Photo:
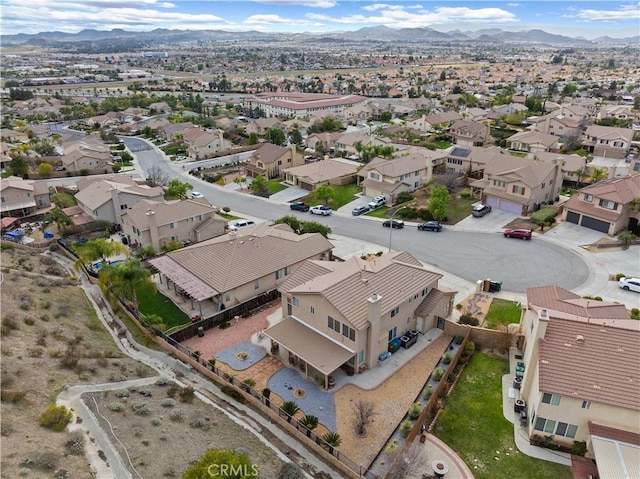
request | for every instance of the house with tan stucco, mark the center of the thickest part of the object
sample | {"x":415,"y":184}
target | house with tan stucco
{"x":346,"y":314}
{"x":581,"y":379}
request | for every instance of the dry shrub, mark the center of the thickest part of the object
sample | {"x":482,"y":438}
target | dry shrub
{"x":55,"y":418}
{"x":74,"y":444}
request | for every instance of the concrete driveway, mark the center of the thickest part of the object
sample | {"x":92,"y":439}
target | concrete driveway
{"x":492,"y":222}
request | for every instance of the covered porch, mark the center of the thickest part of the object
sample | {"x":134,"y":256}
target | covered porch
{"x":312,"y":352}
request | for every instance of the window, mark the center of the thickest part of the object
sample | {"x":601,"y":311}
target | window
{"x":287,"y":270}
{"x":4,"y":199}
{"x":279,"y":274}
{"x":256,"y":284}
{"x":175,"y":238}
{"x":553,"y":399}
{"x":518,"y":189}
{"x":173,"y":225}
{"x":588,"y":197}
{"x":227,"y":297}
{"x":395,"y":311}
{"x":618,"y":144}
{"x":543,"y":185}
{"x":586,"y":404}
{"x":312,"y":310}
{"x":566,"y":430}
{"x":393,"y":333}
{"x":348,"y":332}
{"x":361,"y":356}
{"x":295,"y":301}
{"x":374,"y":176}
{"x":545,"y":425}
{"x":608,"y":204}
{"x":333,"y":324}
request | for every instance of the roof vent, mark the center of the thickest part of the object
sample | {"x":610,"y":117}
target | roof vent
{"x":374,"y":296}
{"x":580,"y":338}
{"x":543,"y":314}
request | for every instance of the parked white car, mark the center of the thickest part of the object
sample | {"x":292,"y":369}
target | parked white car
{"x":377,"y":202}
{"x":630,"y":284}
{"x":196,"y":194}
{"x":240,"y":224}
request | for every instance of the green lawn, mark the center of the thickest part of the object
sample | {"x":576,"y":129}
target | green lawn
{"x":342,"y":196}
{"x":62,"y":199}
{"x":502,"y":311}
{"x":473,"y":425}
{"x":459,"y":209}
{"x":154,"y":302}
{"x":274,"y":186}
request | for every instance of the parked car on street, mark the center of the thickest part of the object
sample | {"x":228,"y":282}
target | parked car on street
{"x":430,"y":226}
{"x":630,"y":284}
{"x":377,"y":202}
{"x":360,"y":210}
{"x":520,"y":233}
{"x":480,"y":210}
{"x":240,"y":224}
{"x":299,"y":206}
{"x":196,"y":194}
{"x":396,"y":224}
{"x":320,"y":210}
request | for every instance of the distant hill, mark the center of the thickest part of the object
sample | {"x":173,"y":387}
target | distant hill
{"x":119,"y":38}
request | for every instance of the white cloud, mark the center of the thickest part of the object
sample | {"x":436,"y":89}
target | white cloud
{"x":513,"y":4}
{"x":381,"y":6}
{"x":304,"y":3}
{"x":626,"y":12}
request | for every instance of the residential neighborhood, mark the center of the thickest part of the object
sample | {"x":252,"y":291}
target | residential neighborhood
{"x":326,"y":250}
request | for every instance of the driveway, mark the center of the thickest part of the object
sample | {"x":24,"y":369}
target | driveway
{"x":495,"y":221}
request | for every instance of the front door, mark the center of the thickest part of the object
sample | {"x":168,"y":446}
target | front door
{"x":440,"y":323}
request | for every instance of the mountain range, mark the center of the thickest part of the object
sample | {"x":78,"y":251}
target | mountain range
{"x":118,"y":38}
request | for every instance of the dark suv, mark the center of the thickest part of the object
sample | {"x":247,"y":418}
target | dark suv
{"x":480,"y":210}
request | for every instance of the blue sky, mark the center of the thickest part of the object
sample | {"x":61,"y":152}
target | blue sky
{"x":589,"y":19}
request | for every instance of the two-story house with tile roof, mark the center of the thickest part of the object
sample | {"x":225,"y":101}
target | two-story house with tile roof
{"x":606,"y":205}
{"x":230,"y":269}
{"x":80,"y":156}
{"x":22,"y":197}
{"x":581,"y":379}
{"x":107,"y":199}
{"x":469,"y":133}
{"x":150,"y":223}
{"x":270,"y":160}
{"x":519,"y":185}
{"x":408,"y":171}
{"x":532,"y":142}
{"x":345,"y":314}
{"x":608,"y":141}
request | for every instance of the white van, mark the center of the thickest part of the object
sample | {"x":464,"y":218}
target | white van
{"x":240,"y":224}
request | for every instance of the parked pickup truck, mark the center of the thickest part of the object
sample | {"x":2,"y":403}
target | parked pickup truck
{"x":299,"y":206}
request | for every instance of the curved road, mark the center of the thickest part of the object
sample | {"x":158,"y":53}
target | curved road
{"x":468,"y":255}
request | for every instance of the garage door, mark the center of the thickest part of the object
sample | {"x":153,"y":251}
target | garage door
{"x":595,"y":224}
{"x":510,"y":207}
{"x":492,"y":201}
{"x":573,"y":217}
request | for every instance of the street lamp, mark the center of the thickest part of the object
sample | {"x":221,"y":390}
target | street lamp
{"x":391,"y":224}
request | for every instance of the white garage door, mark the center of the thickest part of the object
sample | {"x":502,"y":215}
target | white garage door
{"x":492,"y":201}
{"x":510,"y":207}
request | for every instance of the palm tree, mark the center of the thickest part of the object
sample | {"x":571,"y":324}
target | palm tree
{"x":99,"y":249}
{"x":598,"y":174}
{"x":332,"y":439}
{"x":309,"y":422}
{"x":123,"y":280}
{"x":290,"y":408}
{"x":56,"y":216}
{"x":627,"y":238}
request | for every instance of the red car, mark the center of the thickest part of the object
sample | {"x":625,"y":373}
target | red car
{"x":518,"y":233}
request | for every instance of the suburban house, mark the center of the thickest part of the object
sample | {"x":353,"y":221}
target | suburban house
{"x":476,"y":114}
{"x":570,"y":163}
{"x":581,"y":379}
{"x":328,"y":140}
{"x":80,"y":156}
{"x":608,"y":141}
{"x":556,"y":125}
{"x":469,"y":133}
{"x":270,"y":160}
{"x":349,"y":143}
{"x":519,"y":185}
{"x":171,"y":131}
{"x":324,"y":172}
{"x":510,"y":109}
{"x":406,"y":172}
{"x":13,"y":136}
{"x":345,"y":314}
{"x":107,"y":199}
{"x":470,"y":160}
{"x":260,"y":126}
{"x":205,"y":144}
{"x":230,"y":269}
{"x":22,"y":197}
{"x":620,"y":112}
{"x":606,"y":205}
{"x":532,"y":142}
{"x":149,"y":223}
{"x":434,"y":122}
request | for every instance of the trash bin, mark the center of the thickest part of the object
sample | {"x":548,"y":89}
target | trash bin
{"x":200,"y":331}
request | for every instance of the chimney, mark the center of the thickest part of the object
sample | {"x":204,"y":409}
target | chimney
{"x":374,"y":307}
{"x":153,"y":229}
{"x":115,"y":201}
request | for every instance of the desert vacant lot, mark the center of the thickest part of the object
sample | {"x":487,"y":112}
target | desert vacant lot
{"x":52,"y":338}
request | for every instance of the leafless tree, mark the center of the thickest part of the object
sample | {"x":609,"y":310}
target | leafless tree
{"x":363,"y":415}
{"x":156,"y":176}
{"x":411,"y":462}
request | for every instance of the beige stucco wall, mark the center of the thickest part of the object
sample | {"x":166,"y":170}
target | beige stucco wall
{"x":16,"y":197}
